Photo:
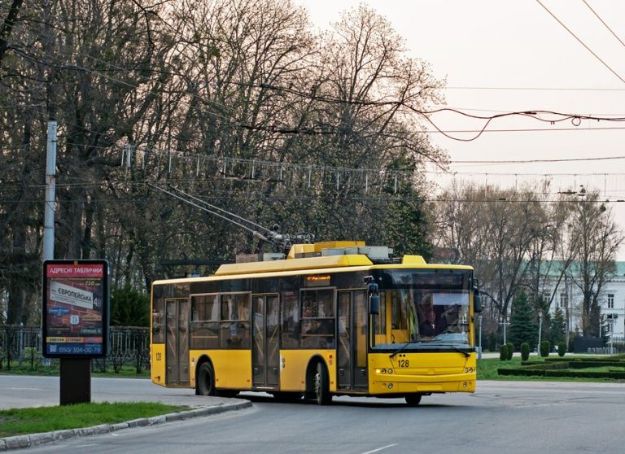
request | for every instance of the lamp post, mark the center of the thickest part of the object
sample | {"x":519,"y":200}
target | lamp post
{"x":479,"y":353}
{"x":611,"y":324}
{"x":540,"y":328}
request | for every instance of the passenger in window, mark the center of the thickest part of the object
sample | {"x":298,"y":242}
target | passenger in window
{"x":431,"y":324}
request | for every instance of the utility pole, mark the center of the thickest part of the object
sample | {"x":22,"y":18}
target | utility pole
{"x":50,"y":205}
{"x":48,"y":223}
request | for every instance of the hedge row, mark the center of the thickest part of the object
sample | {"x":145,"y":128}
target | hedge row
{"x":526,"y":372}
{"x":545,"y":366}
{"x":585,"y":364}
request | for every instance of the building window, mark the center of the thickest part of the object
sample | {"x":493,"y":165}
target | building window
{"x":610,"y":301}
{"x":564,"y":300}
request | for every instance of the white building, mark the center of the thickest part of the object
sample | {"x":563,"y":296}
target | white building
{"x":568,"y":298}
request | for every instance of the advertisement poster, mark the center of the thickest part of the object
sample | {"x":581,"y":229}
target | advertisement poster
{"x":75,"y":308}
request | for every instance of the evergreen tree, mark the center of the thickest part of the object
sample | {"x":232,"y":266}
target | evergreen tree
{"x":557,"y":328}
{"x":522,"y":325}
{"x":129,"y":307}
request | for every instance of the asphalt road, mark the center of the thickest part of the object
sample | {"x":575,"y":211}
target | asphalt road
{"x":501,"y":417}
{"x":30,"y":391}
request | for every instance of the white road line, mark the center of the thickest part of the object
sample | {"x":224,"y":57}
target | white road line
{"x":380,"y":449}
{"x":25,"y":389}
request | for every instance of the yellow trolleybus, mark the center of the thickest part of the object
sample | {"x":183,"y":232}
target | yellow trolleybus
{"x":333,"y":318}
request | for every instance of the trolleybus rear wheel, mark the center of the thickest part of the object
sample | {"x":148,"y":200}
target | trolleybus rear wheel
{"x":205,"y":381}
{"x":322,"y":390}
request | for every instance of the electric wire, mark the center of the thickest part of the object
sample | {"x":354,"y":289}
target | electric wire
{"x":604,"y":23}
{"x":580,"y":41}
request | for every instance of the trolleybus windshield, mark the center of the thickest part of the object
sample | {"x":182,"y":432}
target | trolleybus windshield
{"x":429,"y":309}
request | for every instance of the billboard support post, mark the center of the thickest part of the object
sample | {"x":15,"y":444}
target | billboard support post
{"x":75,"y":381}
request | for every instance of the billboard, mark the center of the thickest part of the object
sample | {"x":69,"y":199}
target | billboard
{"x":75,"y":308}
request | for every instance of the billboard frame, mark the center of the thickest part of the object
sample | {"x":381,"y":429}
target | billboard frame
{"x":47,"y":303}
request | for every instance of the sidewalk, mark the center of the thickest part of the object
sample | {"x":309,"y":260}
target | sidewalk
{"x":28,"y":441}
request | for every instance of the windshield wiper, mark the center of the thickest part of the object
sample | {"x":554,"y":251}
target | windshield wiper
{"x":399,"y":350}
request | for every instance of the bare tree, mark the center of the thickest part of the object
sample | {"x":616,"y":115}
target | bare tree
{"x":597,"y":238}
{"x":7,"y":26}
{"x":504,"y":233}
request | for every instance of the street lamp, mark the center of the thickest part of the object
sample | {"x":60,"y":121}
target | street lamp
{"x":540,"y":328}
{"x":479,"y":353}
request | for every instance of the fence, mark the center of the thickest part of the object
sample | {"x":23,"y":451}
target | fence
{"x":128,"y":346}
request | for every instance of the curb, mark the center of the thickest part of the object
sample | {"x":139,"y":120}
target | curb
{"x":31,"y":440}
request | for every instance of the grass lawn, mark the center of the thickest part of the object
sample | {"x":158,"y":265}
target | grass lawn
{"x":26,"y":369}
{"x":487,"y":370}
{"x":22,"y":421}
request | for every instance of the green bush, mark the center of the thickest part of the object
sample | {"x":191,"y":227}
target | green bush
{"x":561,"y":349}
{"x":510,"y":350}
{"x":525,"y":351}
{"x":544,"y":348}
{"x":503,"y":352}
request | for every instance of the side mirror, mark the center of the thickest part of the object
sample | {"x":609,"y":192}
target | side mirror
{"x":373,"y":290}
{"x":374,"y":304}
{"x":477,"y":301}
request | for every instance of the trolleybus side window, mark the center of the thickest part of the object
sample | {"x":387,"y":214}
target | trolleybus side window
{"x":235,"y":320}
{"x":205,"y":321}
{"x":290,"y":320}
{"x":318,"y":318}
{"x":158,"y":317}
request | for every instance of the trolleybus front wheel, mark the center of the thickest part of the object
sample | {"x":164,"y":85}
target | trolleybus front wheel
{"x":205,"y":380}
{"x":413,"y":399}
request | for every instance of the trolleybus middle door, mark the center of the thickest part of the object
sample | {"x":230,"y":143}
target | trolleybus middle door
{"x":265,"y":346}
{"x":352,"y":341}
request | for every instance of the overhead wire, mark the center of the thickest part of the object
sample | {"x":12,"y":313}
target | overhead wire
{"x":468,"y":87}
{"x":579,"y":40}
{"x":604,"y":22}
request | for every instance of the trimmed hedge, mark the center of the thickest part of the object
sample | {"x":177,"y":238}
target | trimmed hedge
{"x":510,"y":350}
{"x":589,"y":363}
{"x":570,"y":367}
{"x":525,"y":351}
{"x":544,"y":348}
{"x":526,"y":372}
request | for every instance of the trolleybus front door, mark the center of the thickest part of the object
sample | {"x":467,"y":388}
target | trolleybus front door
{"x":177,"y":339}
{"x":352,"y":341}
{"x":265,"y":346}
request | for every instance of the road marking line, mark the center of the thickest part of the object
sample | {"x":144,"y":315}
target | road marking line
{"x":24,"y":389}
{"x":380,"y":449}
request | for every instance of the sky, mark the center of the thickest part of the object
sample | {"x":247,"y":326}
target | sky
{"x":513,"y":55}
